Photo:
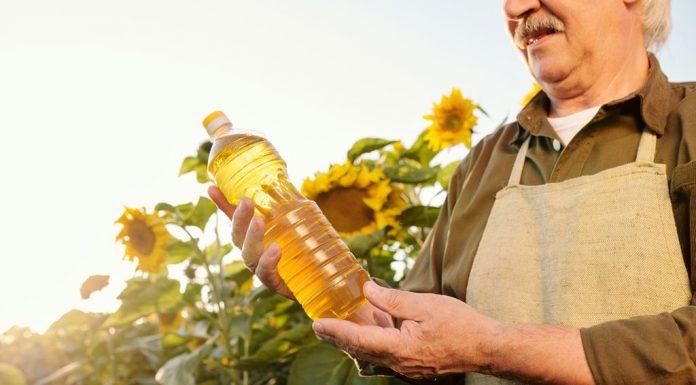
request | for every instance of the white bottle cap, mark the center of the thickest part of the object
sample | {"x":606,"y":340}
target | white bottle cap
{"x":214,"y":121}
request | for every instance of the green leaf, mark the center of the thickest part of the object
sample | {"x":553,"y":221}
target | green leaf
{"x":273,"y":304}
{"x":238,"y":272}
{"x":178,"y":252}
{"x":420,"y":151}
{"x":409,"y":174}
{"x":202,"y":174}
{"x":198,"y":163}
{"x":240,"y":326}
{"x":366,"y":145}
{"x":421,"y":216}
{"x":173,"y":340}
{"x":192,"y":293}
{"x":201,"y":213}
{"x":323,"y":364}
{"x":189,"y":164}
{"x":445,"y":173}
{"x":181,"y":369}
{"x":281,"y":347}
{"x":142,"y":297}
{"x":163,"y":206}
{"x":215,"y":251}
{"x":184,"y":210}
{"x":204,"y":151}
{"x":361,"y":245}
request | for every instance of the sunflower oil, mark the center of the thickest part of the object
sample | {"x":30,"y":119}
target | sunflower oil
{"x":315,"y":264}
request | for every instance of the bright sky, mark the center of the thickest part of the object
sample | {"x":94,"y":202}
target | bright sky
{"x":100,"y":101}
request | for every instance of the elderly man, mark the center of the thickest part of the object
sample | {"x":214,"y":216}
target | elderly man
{"x":563,"y":252}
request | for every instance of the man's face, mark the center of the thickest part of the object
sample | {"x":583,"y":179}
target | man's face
{"x":559,"y":37}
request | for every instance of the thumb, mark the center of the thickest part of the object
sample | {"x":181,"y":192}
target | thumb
{"x":398,"y":303}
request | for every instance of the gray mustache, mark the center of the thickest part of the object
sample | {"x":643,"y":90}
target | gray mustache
{"x":535,"y":23}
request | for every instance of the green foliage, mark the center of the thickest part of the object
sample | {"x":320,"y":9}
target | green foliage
{"x":366,"y":145}
{"x":408,"y":173}
{"x":445,"y":174}
{"x":144,"y":296}
{"x":198,"y":164}
{"x":420,"y":216}
{"x":181,"y":370}
{"x":420,"y":151}
{"x":324,"y":364}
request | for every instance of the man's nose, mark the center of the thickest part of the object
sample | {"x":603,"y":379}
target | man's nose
{"x":516,"y":9}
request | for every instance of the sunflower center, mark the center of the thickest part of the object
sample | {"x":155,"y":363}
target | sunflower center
{"x":141,"y":236}
{"x":345,"y":209}
{"x":453,"y":122}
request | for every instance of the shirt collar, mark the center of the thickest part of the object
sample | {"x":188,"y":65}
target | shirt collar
{"x":654,"y":98}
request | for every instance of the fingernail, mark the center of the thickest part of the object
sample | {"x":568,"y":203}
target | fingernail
{"x":318,"y":328}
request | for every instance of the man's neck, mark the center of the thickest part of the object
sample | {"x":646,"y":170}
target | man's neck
{"x":618,"y":82}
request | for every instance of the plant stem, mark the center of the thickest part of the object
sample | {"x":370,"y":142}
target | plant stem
{"x":224,"y":322}
{"x":114,"y":365}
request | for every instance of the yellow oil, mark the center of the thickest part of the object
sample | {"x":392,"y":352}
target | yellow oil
{"x":315,"y":263}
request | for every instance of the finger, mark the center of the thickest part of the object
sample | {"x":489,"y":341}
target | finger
{"x":252,"y":247}
{"x":240,"y":221}
{"x":398,"y":303}
{"x":267,"y":271}
{"x":220,"y":201}
{"x":359,"y":340}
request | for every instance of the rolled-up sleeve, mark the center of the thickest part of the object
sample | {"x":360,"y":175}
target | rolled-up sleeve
{"x":659,"y":349}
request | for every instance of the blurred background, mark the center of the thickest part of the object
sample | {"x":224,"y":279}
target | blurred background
{"x":100,"y":101}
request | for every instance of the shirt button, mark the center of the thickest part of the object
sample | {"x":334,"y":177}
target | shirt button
{"x":556,"y":145}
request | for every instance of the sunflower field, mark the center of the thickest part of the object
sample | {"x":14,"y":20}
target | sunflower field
{"x":211,"y":323}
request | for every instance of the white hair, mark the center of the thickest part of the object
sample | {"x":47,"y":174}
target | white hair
{"x":656,"y":16}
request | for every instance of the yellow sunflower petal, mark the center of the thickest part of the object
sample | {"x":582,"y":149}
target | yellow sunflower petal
{"x":352,"y":197}
{"x":452,"y":122}
{"x":535,"y":90}
{"x":145,"y":238}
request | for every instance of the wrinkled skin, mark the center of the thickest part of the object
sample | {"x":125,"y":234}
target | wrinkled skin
{"x":425,"y":343}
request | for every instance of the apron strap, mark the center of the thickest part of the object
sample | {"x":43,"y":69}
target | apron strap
{"x":646,"y":147}
{"x":516,"y":174}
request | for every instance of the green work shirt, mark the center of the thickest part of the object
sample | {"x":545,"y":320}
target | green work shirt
{"x":651,"y":349}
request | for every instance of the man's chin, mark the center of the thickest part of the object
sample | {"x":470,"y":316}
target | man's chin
{"x":549,"y":70}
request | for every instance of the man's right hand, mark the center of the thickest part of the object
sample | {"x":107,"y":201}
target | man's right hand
{"x":247,"y":234}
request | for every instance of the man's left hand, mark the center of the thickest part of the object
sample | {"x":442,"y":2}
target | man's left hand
{"x":438,"y":334}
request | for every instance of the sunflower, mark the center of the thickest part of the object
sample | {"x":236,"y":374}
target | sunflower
{"x":145,"y":238}
{"x":453,"y":121}
{"x":535,"y":90}
{"x":355,"y":199}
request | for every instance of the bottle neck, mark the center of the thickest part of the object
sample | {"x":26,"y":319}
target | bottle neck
{"x":221,"y":131}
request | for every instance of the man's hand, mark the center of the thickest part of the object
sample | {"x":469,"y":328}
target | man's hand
{"x":440,"y":335}
{"x":247,"y":234}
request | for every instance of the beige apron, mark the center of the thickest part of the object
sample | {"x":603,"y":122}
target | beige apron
{"x":582,"y":251}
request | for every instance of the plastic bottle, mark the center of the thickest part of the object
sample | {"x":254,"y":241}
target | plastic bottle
{"x":315,"y":264}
